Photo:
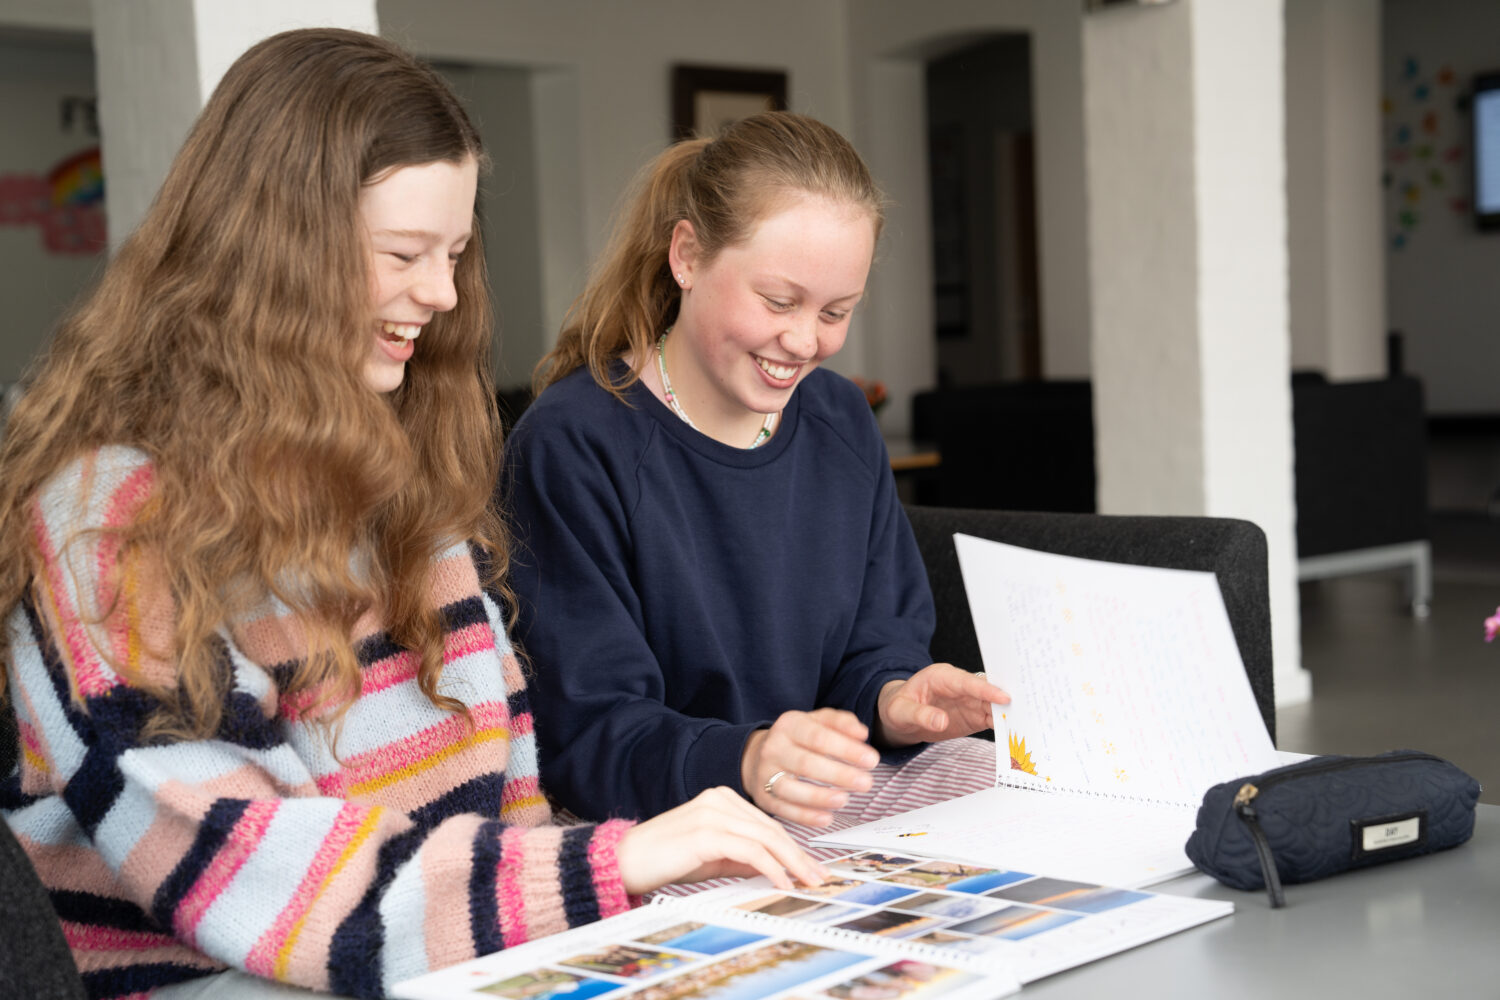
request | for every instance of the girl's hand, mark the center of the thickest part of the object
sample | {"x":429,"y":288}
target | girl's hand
{"x":811,"y":761}
{"x":938,"y":702}
{"x":714,"y":835}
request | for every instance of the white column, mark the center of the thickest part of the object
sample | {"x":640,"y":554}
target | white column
{"x":158,"y":60}
{"x":1334,"y":198}
{"x":1184,"y":146}
{"x":892,"y":332}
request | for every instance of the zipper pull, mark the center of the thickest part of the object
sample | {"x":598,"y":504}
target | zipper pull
{"x":1262,"y":846}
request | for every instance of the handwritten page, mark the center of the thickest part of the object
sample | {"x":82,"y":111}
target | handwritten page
{"x":1125,"y":680}
{"x":1129,"y":701}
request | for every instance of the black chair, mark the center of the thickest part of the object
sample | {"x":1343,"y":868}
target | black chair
{"x":1234,"y":551}
{"x":35,"y":962}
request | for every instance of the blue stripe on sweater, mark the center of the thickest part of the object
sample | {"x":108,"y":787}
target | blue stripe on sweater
{"x":103,"y":911}
{"x":477,"y":795}
{"x":212,"y":833}
{"x":484,"y":909}
{"x":581,"y":904}
{"x":354,"y":953}
{"x":129,"y":979}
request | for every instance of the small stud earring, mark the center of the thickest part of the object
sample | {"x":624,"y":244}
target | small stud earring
{"x":681,"y":282}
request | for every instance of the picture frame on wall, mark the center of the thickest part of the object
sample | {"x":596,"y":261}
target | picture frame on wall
{"x":707,"y":98}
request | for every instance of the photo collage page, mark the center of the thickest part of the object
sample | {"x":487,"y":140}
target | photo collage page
{"x":885,"y":927}
{"x":1032,"y":924}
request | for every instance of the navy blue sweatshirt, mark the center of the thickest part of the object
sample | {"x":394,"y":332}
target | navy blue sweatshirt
{"x":675,"y":593}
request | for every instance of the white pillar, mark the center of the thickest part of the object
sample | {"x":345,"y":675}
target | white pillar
{"x":893,"y":331}
{"x":158,"y":60}
{"x":1184,"y":147}
{"x":1334,"y":198}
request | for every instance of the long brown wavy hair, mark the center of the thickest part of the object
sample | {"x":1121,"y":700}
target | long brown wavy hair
{"x":227,"y":341}
{"x":724,"y":186}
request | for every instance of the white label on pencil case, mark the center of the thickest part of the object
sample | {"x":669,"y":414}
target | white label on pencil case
{"x":1381,"y":835}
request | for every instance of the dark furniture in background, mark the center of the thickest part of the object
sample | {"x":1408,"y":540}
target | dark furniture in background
{"x":1009,"y":446}
{"x":1360,"y":464}
{"x":1361,"y":477}
{"x":1234,"y":551}
{"x":35,"y":962}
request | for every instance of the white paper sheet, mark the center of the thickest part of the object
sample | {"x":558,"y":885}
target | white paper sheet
{"x":1129,"y":700}
{"x":1125,"y":680}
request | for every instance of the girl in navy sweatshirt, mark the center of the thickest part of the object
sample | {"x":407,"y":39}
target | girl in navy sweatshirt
{"x":713,"y":570}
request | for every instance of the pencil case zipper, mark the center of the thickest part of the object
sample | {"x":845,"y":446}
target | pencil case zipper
{"x":1245,"y":808}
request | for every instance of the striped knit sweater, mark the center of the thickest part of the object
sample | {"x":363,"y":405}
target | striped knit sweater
{"x":423,"y":843}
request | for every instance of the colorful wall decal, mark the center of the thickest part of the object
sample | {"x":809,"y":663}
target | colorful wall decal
{"x":66,"y":204}
{"x":1426,"y":147}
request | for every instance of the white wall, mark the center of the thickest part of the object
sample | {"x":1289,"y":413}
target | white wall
{"x":1187,"y":183}
{"x":1334,"y":199}
{"x":500,"y":102}
{"x":36,"y":285}
{"x":1444,"y":277}
{"x":600,"y":74}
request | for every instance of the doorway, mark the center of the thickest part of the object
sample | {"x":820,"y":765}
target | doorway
{"x":981,"y":159}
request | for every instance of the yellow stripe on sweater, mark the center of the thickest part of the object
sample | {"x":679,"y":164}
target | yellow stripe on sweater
{"x":366,"y":828}
{"x":426,"y":763}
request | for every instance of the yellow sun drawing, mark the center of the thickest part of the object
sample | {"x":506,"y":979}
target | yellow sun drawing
{"x":1020,"y":759}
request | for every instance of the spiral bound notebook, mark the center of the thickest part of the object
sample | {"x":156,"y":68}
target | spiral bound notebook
{"x":1129,"y":700}
{"x":887,"y":927}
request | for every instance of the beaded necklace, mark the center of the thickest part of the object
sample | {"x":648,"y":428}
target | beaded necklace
{"x":761,"y":435}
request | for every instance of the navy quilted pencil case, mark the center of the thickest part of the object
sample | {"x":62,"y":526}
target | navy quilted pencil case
{"x":1330,"y":814}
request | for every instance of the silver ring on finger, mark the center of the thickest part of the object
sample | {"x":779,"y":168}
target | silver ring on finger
{"x":770,"y":786}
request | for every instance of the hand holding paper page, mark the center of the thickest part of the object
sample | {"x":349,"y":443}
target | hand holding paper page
{"x":1125,"y":680}
{"x":1129,"y":700}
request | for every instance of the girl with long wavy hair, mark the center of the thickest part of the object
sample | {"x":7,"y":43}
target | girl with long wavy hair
{"x":271,"y":725}
{"x":712,"y":568}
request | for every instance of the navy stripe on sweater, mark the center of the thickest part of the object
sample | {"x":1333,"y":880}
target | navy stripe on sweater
{"x":353,"y":965}
{"x":212,"y":833}
{"x":484,"y":912}
{"x":581,"y":903}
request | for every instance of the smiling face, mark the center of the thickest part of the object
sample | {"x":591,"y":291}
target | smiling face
{"x":759,"y":316}
{"x":418,"y":220}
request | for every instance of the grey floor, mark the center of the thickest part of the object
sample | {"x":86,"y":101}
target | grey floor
{"x":1383,"y":680}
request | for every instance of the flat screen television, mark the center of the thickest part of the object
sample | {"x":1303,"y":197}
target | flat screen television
{"x":1486,"y":146}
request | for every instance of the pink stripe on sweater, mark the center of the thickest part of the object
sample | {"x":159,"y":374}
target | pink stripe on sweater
{"x":88,"y":673}
{"x":608,"y":888}
{"x":521,"y":725}
{"x":510,"y":896}
{"x":400,"y":668}
{"x":446,"y":858}
{"x":264,"y":957}
{"x":471,"y":639}
{"x":418,"y":753}
{"x":519,"y":793}
{"x":122,"y":507}
{"x":242,"y":841}
{"x":92,"y":937}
